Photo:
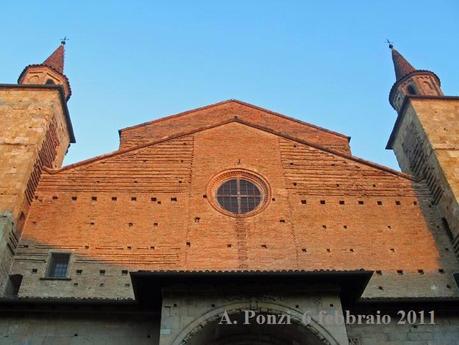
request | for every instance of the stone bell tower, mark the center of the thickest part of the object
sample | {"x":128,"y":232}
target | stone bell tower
{"x":425,"y":138}
{"x":35,"y":133}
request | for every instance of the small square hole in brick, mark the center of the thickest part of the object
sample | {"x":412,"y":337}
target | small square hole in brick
{"x":441,"y":270}
{"x":55,"y":197}
{"x":304,"y":250}
{"x":303,"y":202}
{"x":379,"y":273}
{"x":74,"y":198}
{"x":133,"y":198}
{"x":34,"y":270}
{"x":94,"y":198}
{"x":114,"y":198}
{"x":380,"y":288}
{"x":398,"y":203}
{"x":152,"y":247}
{"x":155,"y":224}
{"x":415,"y":203}
{"x":129,"y":247}
{"x":400,"y":272}
{"x":379,"y":203}
{"x":328,"y":250}
{"x":101,"y":284}
{"x":264,"y":246}
{"x":322,"y":202}
{"x":361,"y":202}
{"x":153,"y":199}
{"x":75,"y":284}
{"x":79,"y":272}
{"x":421,"y":271}
{"x":173,"y":199}
{"x":341,"y":202}
{"x":197,"y":219}
{"x":102,"y":272}
{"x":228,"y":245}
{"x":188,"y":244}
{"x":282,"y":220}
{"x":130,"y":224}
{"x":124,"y":272}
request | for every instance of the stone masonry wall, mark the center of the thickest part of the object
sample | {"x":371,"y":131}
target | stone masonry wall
{"x":427,"y":146}
{"x":445,"y":331}
{"x":26,"y":115}
{"x":81,"y":328}
{"x":8,"y":243}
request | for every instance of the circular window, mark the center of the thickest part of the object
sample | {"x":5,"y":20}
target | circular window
{"x":238,"y":193}
{"x":238,"y":196}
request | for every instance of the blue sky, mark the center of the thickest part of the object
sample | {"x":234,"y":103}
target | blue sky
{"x":324,"y":62}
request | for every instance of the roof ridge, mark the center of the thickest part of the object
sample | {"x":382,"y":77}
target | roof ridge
{"x":238,"y":120}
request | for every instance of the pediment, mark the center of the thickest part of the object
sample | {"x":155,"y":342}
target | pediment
{"x":224,"y":111}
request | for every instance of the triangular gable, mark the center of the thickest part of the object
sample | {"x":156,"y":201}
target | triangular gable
{"x":185,"y":142}
{"x":224,"y":111}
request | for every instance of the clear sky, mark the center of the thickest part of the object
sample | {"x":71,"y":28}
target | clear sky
{"x":323,"y":62}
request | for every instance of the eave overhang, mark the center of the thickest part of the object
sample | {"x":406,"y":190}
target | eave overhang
{"x":149,"y":285}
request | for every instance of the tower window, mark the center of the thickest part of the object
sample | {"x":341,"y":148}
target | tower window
{"x":411,"y":90}
{"x":58,"y":265}
{"x":50,"y":82}
{"x":447,"y":229}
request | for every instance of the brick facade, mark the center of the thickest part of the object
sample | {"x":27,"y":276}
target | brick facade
{"x":355,"y":227}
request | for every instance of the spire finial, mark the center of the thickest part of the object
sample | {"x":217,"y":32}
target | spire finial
{"x":391,"y":44}
{"x":64,"y":40}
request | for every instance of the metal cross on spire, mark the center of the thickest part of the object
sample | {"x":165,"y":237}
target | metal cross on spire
{"x":64,"y":40}
{"x":391,"y":44}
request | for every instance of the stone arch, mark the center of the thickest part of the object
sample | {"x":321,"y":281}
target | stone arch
{"x":209,"y":320}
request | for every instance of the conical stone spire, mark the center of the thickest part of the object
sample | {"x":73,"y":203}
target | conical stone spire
{"x":49,"y":72}
{"x":56,"y":59}
{"x":401,"y":66}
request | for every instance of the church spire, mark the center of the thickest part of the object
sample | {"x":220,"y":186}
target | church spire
{"x":49,"y":72}
{"x":56,"y":59}
{"x":410,"y":81}
{"x":401,"y":66}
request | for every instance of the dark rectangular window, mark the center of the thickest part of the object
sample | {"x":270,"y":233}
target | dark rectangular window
{"x":59,"y":265}
{"x":447,"y":229}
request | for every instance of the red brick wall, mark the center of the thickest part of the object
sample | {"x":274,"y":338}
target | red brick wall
{"x":158,"y":222}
